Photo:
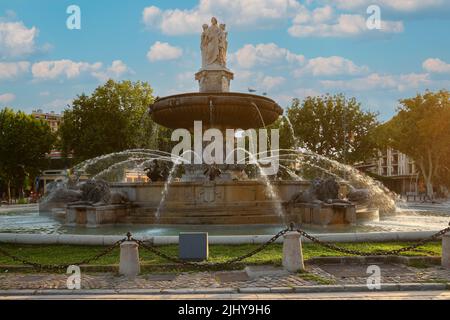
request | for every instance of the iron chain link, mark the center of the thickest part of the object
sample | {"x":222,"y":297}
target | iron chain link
{"x":412,"y":247}
{"x":207,"y":265}
{"x":41,"y":266}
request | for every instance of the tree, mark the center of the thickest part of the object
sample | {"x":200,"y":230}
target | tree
{"x":331,"y":126}
{"x":24,"y":143}
{"x":114,"y":118}
{"x":421,"y":130}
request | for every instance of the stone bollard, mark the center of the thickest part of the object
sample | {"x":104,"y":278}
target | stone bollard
{"x":292,"y":252}
{"x":129,"y":259}
{"x":446,"y":251}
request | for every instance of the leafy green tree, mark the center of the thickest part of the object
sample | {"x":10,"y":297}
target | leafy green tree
{"x":331,"y":126}
{"x":24,"y":142}
{"x":421,"y":130}
{"x":114,"y":118}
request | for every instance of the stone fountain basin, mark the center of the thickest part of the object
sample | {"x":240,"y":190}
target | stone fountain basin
{"x":212,"y":203}
{"x":219,"y":110}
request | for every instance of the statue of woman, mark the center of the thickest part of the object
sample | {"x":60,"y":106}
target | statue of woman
{"x":223,"y":46}
{"x":212,"y":49}
{"x":204,"y":44}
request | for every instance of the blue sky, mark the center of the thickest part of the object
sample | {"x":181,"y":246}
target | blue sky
{"x":286,"y":48}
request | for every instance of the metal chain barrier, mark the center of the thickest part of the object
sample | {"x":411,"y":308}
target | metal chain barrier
{"x":413,"y":247}
{"x":41,"y":266}
{"x":206,"y":265}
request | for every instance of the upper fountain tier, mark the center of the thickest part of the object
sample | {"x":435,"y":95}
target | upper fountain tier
{"x":215,"y":105}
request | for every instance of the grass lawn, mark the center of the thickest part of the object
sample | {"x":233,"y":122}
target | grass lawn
{"x":68,"y":254}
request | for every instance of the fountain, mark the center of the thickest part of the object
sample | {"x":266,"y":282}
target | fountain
{"x":218,"y":194}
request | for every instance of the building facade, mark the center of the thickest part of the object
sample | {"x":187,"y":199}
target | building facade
{"x":395,"y":169}
{"x":53,"y":119}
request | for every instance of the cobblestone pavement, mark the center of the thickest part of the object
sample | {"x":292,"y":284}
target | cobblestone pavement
{"x":390,"y":273}
{"x":259,"y":277}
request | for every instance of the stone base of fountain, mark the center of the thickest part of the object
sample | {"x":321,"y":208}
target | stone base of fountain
{"x":324,"y":215}
{"x":214,"y":203}
{"x":93,"y":216}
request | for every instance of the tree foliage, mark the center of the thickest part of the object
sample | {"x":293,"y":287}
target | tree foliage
{"x":24,"y":142}
{"x":421,"y":130}
{"x":114,"y":118}
{"x":331,"y":126}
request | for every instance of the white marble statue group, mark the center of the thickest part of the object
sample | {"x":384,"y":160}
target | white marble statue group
{"x":214,"y":44}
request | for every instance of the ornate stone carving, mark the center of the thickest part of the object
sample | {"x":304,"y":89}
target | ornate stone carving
{"x":214,"y":75}
{"x":214,"y":44}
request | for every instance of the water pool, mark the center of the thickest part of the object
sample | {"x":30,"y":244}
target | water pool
{"x":27,"y":220}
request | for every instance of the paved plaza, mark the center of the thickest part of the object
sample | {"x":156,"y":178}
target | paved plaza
{"x":251,"y":277}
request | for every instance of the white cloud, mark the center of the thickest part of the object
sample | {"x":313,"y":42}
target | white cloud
{"x":436,"y":65}
{"x":318,"y":15}
{"x":330,"y":66}
{"x":396,"y":5}
{"x":184,"y":82}
{"x":151,"y":15}
{"x":269,"y":82}
{"x":16,"y":39}
{"x":311,"y":18}
{"x":9,"y":70}
{"x":264,"y":54}
{"x":306,"y":92}
{"x":346,"y":25}
{"x":163,"y":51}
{"x":236,"y":13}
{"x":47,"y":70}
{"x":57,"y":104}
{"x":68,"y":69}
{"x":7,"y":98}
{"x":115,"y":71}
{"x":376,"y":81}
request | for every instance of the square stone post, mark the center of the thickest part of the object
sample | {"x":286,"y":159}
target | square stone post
{"x":129,"y":259}
{"x":292,"y":252}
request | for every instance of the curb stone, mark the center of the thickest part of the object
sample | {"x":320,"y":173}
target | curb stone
{"x":247,"y":290}
{"x":178,"y":291}
{"x":139,"y":291}
{"x":281,"y":290}
{"x":215,"y":291}
{"x":315,"y":289}
{"x":254,"y":290}
{"x":422,"y":286}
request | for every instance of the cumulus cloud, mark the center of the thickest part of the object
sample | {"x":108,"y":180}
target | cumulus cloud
{"x":68,"y":69}
{"x":269,"y":82}
{"x":321,"y":18}
{"x":264,"y":54}
{"x":9,"y":70}
{"x":377,"y":81}
{"x":57,"y":104}
{"x":47,"y":70}
{"x":16,"y":39}
{"x":436,"y":65}
{"x":345,"y":25}
{"x":160,"y":51}
{"x":330,"y":66}
{"x":117,"y":69}
{"x":7,"y":98}
{"x":236,"y":13}
{"x":395,"y":5}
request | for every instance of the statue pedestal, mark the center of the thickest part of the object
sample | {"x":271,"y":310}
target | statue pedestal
{"x":214,"y":80}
